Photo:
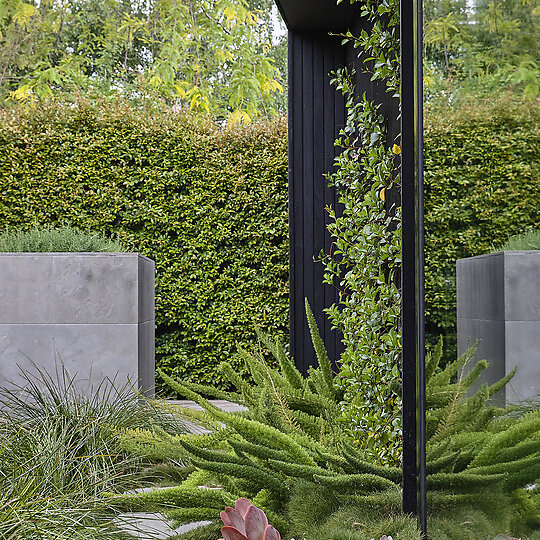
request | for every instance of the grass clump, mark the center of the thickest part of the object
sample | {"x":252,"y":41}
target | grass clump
{"x":62,"y":239}
{"x":529,"y":240}
{"x":60,"y":457}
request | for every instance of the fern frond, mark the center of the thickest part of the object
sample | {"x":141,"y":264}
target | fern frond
{"x":180,"y":516}
{"x":443,"y":378}
{"x":433,"y":359}
{"x":334,"y":462}
{"x":258,"y":450}
{"x":530,"y":461}
{"x":440,"y":396}
{"x":296,"y":471}
{"x":281,"y":403}
{"x":473,"y":375}
{"x":501,"y":383}
{"x":355,"y":482}
{"x":311,"y":403}
{"x":389,"y":500}
{"x":213,"y":455}
{"x":521,"y":450}
{"x":257,"y":477}
{"x":460,"y":413}
{"x":288,"y":369}
{"x":258,"y":430}
{"x":320,"y":350}
{"x":200,"y":419}
{"x":436,"y":450}
{"x":361,"y":466}
{"x":309,"y":424}
{"x":316,"y":376}
{"x":177,"y":496}
{"x":214,"y":392}
{"x":437,"y":499}
{"x":198,"y":478}
{"x":462,"y":481}
{"x":253,"y":366}
{"x":444,"y":462}
{"x":236,"y":380}
{"x":527,"y":426}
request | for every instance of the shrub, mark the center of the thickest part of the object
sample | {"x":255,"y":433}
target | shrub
{"x":49,"y":239}
{"x":524,"y":241}
{"x":207,"y":203}
{"x":481,"y":186}
{"x":59,"y":455}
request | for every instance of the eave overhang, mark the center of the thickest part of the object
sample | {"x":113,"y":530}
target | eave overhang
{"x":318,"y":14}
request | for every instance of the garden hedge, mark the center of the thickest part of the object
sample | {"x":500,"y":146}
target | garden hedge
{"x":208,"y":204}
{"x":482,"y":185}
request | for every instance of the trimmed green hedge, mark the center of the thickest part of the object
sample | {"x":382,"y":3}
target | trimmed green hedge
{"x":208,"y":204}
{"x":482,"y":185}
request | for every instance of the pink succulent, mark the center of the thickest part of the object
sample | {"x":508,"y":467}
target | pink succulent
{"x":246,"y":522}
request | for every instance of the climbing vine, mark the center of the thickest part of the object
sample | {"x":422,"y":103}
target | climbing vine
{"x":364,"y":263}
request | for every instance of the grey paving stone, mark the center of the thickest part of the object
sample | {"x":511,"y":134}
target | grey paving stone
{"x":221,"y":403}
{"x":153,"y":526}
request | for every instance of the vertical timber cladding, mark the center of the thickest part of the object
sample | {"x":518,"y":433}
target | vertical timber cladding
{"x":316,"y":115}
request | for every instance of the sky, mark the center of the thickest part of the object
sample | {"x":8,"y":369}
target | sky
{"x":279,"y":26}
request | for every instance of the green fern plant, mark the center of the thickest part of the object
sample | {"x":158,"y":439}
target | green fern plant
{"x":291,"y":433}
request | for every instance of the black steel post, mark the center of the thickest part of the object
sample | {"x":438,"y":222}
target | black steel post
{"x":414,"y":433}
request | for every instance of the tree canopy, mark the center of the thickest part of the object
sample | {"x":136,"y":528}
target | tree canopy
{"x":484,"y":44}
{"x":211,"y":55}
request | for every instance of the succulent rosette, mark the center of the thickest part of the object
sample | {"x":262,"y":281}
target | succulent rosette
{"x":246,"y":522}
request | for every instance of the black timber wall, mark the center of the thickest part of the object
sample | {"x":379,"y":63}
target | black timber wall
{"x":316,"y":115}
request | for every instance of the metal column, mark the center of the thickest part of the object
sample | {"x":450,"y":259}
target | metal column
{"x":414,"y":414}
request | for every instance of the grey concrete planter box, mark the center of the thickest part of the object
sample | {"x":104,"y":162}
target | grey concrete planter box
{"x":94,"y":311}
{"x":498,"y":302}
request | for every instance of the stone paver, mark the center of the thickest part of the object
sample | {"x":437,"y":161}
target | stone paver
{"x":155,"y":526}
{"x":188,"y":404}
{"x":221,"y":403}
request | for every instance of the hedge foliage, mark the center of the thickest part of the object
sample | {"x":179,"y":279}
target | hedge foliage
{"x":482,"y":185}
{"x":207,"y":203}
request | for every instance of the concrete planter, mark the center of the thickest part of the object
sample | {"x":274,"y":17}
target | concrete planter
{"x":498,"y":302}
{"x":94,"y":311}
